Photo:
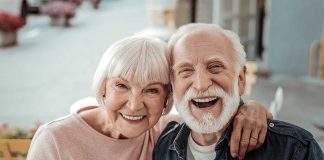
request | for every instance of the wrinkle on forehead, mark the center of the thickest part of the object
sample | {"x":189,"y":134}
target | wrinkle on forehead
{"x":202,"y":43}
{"x":206,"y":38}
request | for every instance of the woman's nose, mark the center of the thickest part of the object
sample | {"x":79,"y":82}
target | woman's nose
{"x":135,"y":102}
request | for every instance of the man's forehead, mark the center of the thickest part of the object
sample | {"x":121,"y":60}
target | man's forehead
{"x":202,"y":43}
{"x":202,"y":39}
{"x":204,"y":36}
{"x":204,"y":49}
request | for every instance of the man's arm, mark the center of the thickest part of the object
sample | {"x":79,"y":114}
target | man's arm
{"x":249,"y":128}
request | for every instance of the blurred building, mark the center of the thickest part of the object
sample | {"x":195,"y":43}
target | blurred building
{"x":277,"y":32}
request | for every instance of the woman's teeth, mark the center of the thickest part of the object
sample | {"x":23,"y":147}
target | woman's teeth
{"x":133,"y":118}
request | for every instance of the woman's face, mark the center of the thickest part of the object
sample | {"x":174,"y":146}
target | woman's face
{"x":132,"y":108}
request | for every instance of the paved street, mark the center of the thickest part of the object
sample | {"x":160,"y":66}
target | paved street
{"x":52,"y":67}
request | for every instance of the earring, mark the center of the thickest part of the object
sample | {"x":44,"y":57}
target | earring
{"x":166,"y":103}
{"x":163,"y":112}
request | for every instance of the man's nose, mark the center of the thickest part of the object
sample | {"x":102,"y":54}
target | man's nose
{"x":135,"y":102}
{"x":202,"y":81}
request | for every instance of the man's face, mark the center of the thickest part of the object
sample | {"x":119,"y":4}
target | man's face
{"x":205,"y":83}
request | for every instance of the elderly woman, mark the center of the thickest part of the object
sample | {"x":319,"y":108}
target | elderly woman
{"x":132,"y":87}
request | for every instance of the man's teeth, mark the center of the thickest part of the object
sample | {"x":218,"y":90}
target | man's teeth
{"x":204,"y":99}
{"x":133,"y":118}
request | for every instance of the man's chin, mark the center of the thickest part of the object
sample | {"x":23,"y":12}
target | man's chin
{"x":208,"y":122}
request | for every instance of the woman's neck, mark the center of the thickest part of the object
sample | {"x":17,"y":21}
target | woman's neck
{"x":99,"y":121}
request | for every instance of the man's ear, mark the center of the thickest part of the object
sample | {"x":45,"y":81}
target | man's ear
{"x":242,"y":81}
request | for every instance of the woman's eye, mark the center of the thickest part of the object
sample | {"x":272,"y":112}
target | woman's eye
{"x":152,"y":90}
{"x":121,"y":86}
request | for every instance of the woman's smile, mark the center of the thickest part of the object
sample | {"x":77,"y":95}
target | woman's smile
{"x":133,"y":117}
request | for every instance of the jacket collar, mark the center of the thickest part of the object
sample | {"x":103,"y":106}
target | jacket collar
{"x":225,"y":138}
{"x":181,"y":140}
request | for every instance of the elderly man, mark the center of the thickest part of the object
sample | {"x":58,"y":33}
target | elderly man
{"x":208,"y":78}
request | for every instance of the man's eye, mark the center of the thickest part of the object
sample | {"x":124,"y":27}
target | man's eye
{"x":185,"y":72}
{"x":121,"y":86}
{"x":215,"y":68}
{"x":152,"y":90}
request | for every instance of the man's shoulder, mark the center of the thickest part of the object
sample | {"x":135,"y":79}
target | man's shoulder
{"x":287,"y":141}
{"x":171,"y":130}
{"x":164,"y":148}
{"x":285,"y":129}
{"x":169,"y":135}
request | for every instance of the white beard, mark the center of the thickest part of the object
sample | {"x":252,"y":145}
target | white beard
{"x":209,"y":122}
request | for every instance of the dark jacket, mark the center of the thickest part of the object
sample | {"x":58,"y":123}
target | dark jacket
{"x":284,"y":141}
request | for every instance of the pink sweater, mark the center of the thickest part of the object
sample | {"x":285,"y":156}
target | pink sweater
{"x":71,"y":138}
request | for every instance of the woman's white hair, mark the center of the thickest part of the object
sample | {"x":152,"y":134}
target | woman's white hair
{"x":137,"y":58}
{"x":196,"y":28}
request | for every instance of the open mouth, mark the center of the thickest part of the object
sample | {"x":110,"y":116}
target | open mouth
{"x":132,"y":118}
{"x":204,"y":102}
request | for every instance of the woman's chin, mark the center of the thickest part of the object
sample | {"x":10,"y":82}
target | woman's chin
{"x":132,"y":129}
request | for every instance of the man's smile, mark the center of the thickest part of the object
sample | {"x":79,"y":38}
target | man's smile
{"x":205,"y":102}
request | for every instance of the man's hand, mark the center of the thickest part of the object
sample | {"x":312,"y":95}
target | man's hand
{"x":249,"y":128}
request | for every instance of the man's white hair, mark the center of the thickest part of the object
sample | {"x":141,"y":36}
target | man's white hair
{"x":141,"y":59}
{"x":197,"y":28}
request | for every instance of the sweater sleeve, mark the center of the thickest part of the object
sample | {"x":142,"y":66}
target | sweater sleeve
{"x":43,"y":146}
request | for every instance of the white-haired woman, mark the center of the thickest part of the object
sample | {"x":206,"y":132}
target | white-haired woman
{"x":131,"y":85}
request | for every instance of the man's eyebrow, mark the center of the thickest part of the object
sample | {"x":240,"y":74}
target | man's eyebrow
{"x":180,"y":65}
{"x":216,"y":59}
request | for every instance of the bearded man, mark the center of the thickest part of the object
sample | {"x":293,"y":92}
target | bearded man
{"x":208,"y":78}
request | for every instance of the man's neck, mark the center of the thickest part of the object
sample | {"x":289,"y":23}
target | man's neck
{"x":206,"y":139}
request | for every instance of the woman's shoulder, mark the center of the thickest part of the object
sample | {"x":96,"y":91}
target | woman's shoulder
{"x":61,"y":129}
{"x":61,"y":124}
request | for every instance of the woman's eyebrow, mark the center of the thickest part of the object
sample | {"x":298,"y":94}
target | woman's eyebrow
{"x":155,"y":83}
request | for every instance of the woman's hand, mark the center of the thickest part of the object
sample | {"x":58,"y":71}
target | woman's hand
{"x":249,"y":128}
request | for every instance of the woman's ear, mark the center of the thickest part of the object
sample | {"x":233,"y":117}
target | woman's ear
{"x":103,"y":93}
{"x":169,"y":92}
{"x":168,"y":101}
{"x":242,"y":80}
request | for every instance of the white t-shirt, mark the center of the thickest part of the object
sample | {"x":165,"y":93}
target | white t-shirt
{"x":197,"y":152}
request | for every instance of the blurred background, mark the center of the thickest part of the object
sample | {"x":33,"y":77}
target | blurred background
{"x":49,"y":50}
